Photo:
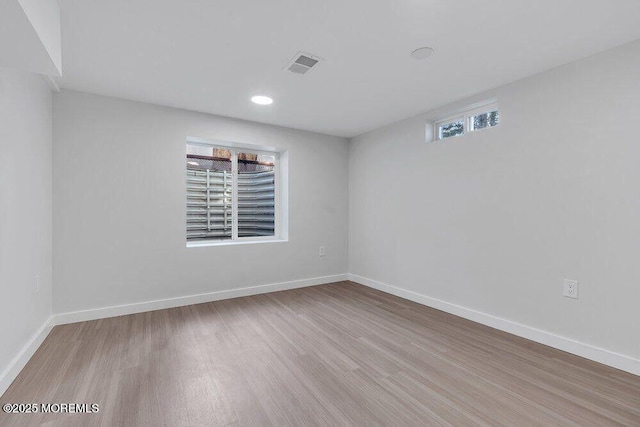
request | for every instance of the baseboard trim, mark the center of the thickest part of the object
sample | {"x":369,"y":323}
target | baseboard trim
{"x":141,"y":307}
{"x":597,"y":354}
{"x":19,"y":362}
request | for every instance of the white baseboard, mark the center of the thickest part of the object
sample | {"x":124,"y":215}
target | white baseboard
{"x":569,"y":345}
{"x":19,"y":362}
{"x":121,"y":310}
{"x":597,"y":354}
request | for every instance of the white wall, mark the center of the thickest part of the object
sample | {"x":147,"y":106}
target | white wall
{"x":30,"y":38}
{"x":44,"y":16}
{"x":494,"y":220}
{"x":119,"y":205}
{"x":25,"y":212}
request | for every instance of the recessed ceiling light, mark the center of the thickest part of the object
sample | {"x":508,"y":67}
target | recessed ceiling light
{"x":422,"y":53}
{"x":261,"y":100}
{"x":193,"y":163}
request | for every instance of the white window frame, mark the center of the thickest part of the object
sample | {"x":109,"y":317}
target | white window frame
{"x":466,"y":117}
{"x":280,"y":191}
{"x":477,"y":111}
{"x":456,"y":118}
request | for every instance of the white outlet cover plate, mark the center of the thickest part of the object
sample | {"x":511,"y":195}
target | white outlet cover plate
{"x":570,"y":288}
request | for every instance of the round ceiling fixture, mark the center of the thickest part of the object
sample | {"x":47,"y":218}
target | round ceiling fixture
{"x":261,"y":100}
{"x":422,"y":53}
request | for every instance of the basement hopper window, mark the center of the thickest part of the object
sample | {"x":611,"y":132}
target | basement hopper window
{"x":232,"y":194}
{"x":468,"y":121}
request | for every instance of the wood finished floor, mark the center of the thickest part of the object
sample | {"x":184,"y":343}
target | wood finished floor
{"x":338,"y":354}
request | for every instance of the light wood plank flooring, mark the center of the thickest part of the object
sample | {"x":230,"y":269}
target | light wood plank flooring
{"x":338,"y":354}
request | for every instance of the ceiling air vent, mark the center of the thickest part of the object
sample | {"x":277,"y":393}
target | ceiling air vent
{"x":302,"y":63}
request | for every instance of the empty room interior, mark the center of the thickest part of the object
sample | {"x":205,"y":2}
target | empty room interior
{"x":292,"y":213}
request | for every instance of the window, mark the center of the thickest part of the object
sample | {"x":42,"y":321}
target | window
{"x":232,"y":194}
{"x":484,"y":120}
{"x":469,"y":121}
{"x":451,"y":128}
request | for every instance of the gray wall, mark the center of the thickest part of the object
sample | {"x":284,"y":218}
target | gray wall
{"x":119,"y":205}
{"x":25,"y":209}
{"x":495,"y":220}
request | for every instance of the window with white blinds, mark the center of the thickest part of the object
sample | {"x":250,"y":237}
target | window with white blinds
{"x":231,"y":193}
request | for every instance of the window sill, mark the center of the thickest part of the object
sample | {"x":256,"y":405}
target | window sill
{"x":233,"y":243}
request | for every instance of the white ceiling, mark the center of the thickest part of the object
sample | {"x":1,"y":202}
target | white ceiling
{"x":212,"y":55}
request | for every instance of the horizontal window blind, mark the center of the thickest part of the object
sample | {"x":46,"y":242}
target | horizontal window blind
{"x":209,"y":204}
{"x":256,"y":203}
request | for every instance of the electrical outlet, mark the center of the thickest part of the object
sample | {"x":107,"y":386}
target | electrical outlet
{"x":36,"y":284}
{"x":321,"y":252}
{"x":570,"y":289}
